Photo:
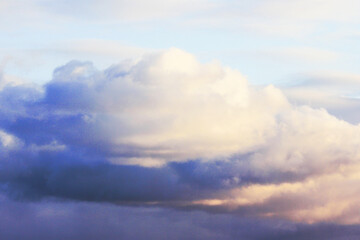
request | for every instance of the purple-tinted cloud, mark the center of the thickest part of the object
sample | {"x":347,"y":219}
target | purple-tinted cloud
{"x":170,"y":131}
{"x":79,"y":220}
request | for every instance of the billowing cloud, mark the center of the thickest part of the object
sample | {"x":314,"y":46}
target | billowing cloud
{"x":167,"y":130}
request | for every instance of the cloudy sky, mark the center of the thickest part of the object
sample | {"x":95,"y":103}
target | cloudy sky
{"x":179,"y":119}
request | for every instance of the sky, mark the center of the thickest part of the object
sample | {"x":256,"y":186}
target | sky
{"x":202,"y":119}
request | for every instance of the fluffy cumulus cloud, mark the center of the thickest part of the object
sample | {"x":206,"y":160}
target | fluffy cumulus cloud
{"x":169,"y":131}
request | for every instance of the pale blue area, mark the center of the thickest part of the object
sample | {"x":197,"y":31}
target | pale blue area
{"x":232,"y":46}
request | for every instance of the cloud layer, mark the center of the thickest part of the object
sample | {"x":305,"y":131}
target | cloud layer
{"x":276,"y":17}
{"x":80,"y":220}
{"x":167,"y":130}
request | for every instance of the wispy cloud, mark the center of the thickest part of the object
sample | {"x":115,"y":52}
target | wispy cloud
{"x":336,"y":91}
{"x":292,"y":18}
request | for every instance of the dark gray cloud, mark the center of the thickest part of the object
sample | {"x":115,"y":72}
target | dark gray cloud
{"x":73,"y":175}
{"x":79,"y":220}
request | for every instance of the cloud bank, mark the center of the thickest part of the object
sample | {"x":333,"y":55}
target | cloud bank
{"x":169,"y":131}
{"x":73,"y":221}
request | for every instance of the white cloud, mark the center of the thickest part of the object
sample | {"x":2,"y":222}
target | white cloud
{"x":35,"y":11}
{"x":180,"y":109}
{"x":306,"y":54}
{"x":188,"y":109}
{"x":298,"y":17}
{"x":100,"y":47}
{"x":294,"y":18}
{"x":167,"y":107}
{"x":335,"y":91}
{"x":310,"y":10}
{"x":53,"y":146}
{"x":140,"y":10}
{"x":5,"y":79}
{"x":8,"y":141}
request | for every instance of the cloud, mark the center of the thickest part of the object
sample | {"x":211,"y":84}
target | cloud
{"x":336,"y":91}
{"x":140,"y":10}
{"x":300,"y":18}
{"x":167,"y":103}
{"x":305,"y":54}
{"x":100,"y":47}
{"x":166,"y":130}
{"x":295,"y":19}
{"x":277,"y":17}
{"x":101,"y":11}
{"x":318,"y":10}
{"x":81,"y":220}
{"x":6,"y":79}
